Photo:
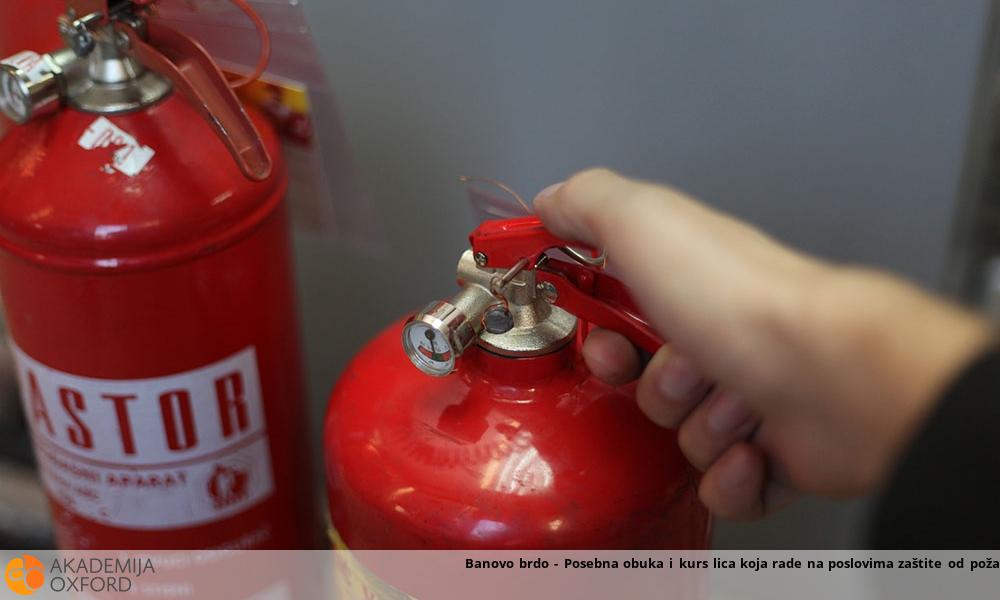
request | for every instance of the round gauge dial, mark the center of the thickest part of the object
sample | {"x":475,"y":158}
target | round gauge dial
{"x":14,"y":98}
{"x":428,"y":348}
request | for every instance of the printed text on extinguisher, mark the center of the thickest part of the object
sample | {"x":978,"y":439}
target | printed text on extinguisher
{"x":162,"y":418}
{"x":180,"y":431}
{"x":171,"y":451}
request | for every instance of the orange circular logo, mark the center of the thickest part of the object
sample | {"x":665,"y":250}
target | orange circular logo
{"x":24,"y":575}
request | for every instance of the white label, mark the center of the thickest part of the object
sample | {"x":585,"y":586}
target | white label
{"x":130,"y":158}
{"x":158,"y":453}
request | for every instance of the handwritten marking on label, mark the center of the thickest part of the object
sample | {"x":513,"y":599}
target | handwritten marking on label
{"x":31,"y":64}
{"x":130,"y":158}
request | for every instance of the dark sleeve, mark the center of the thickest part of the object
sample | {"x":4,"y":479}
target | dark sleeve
{"x":945,"y":492}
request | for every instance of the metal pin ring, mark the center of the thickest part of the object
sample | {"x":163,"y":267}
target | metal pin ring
{"x":580,"y":257}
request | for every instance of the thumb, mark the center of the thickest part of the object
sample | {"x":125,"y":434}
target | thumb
{"x":581,"y":209}
{"x":656,"y":239}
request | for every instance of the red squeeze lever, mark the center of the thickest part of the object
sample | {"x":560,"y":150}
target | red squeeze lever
{"x":193,"y":72}
{"x":584,"y":290}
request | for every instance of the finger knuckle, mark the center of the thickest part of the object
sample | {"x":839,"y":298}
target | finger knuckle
{"x":691,"y":444}
{"x":724,"y":508}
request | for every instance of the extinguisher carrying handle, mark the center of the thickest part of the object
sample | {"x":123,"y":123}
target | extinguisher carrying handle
{"x":193,"y":72}
{"x":581,"y":288}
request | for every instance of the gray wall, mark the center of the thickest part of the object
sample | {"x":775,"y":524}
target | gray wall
{"x":837,"y":125}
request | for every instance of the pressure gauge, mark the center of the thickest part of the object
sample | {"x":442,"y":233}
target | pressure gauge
{"x":28,"y":86}
{"x":15,"y":100}
{"x":442,"y":331}
{"x":429,"y":348}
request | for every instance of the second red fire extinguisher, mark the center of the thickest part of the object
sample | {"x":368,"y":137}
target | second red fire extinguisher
{"x":501,"y":438}
{"x":146,"y":273}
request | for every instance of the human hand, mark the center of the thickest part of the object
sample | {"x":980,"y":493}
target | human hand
{"x":782,"y":373}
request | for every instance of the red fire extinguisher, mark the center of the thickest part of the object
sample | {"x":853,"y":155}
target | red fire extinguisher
{"x":511,"y":442}
{"x":147,"y":280}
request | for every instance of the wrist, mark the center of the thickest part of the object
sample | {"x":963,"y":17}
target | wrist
{"x":895,"y":350}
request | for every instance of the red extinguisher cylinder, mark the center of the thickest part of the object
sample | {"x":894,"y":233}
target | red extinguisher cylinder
{"x":149,"y":292}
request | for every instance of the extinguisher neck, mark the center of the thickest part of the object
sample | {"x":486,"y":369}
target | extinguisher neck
{"x":521,"y":372}
{"x":519,"y":323}
{"x":111,"y":80}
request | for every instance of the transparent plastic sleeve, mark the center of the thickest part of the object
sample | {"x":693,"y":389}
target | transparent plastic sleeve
{"x":327,"y":194}
{"x":490,"y":203}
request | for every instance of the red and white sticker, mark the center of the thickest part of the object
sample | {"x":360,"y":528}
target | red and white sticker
{"x":130,"y":158}
{"x":30,"y":64}
{"x":160,"y":453}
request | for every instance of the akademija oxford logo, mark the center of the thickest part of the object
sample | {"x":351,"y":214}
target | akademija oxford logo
{"x":24,"y":575}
